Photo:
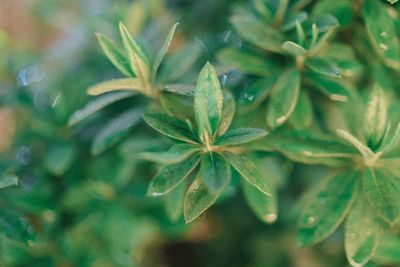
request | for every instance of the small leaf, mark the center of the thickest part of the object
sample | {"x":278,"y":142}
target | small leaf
{"x":326,"y":209}
{"x":249,"y":172}
{"x":382,"y":32}
{"x":331,"y":88}
{"x":362,"y":232}
{"x":115,"y":130}
{"x":265,"y":207}
{"x":255,"y":94}
{"x":208,"y":101}
{"x":284,"y":96}
{"x":228,"y":112}
{"x":97,"y":104}
{"x":323,"y":66}
{"x":59,"y":158}
{"x":198,"y":199}
{"x":240,"y":136}
{"x":376,"y":114}
{"x":173,"y":201}
{"x":172,"y":175}
{"x":215,"y":172}
{"x":138,"y":60}
{"x":114,"y":85}
{"x":170,"y":126}
{"x":115,"y":55}
{"x":293,"y":49}
{"x":258,"y":33}
{"x":302,"y":115}
{"x":15,"y":227}
{"x":383,"y":193}
{"x":175,"y":154}
{"x":8,"y":180}
{"x":161,"y":53}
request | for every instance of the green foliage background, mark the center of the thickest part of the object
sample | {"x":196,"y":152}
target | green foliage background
{"x":283,"y":150}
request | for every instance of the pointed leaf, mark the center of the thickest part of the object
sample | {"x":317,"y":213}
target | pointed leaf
{"x":326,"y":208}
{"x":208,"y":101}
{"x":323,"y":66}
{"x":114,"y":85}
{"x":172,"y":175}
{"x":383,"y":193}
{"x":283,"y":99}
{"x":228,"y":112}
{"x":293,"y":49}
{"x":198,"y":199}
{"x":175,"y":154}
{"x":249,"y":172}
{"x":170,"y":126}
{"x":240,"y":136}
{"x":215,"y":172}
{"x":115,"y":55}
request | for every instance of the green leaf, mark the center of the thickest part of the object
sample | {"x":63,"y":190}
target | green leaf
{"x":383,"y":193}
{"x":376,"y":114}
{"x":323,"y":66}
{"x":114,"y":85}
{"x":208,"y":101}
{"x":139,"y":62}
{"x":161,"y":53}
{"x":382,"y":32}
{"x":302,"y":115}
{"x":283,"y":99}
{"x":215,"y":172}
{"x":249,"y":63}
{"x":364,"y":150}
{"x":96,"y":105}
{"x":255,"y":94}
{"x":228,"y":112}
{"x":333,"y":89}
{"x":258,"y":33}
{"x":172,"y":175}
{"x":173,"y":201}
{"x":115,"y":130}
{"x":240,"y":136}
{"x":115,"y":55}
{"x":59,"y":158}
{"x":326,"y":208}
{"x":8,"y":180}
{"x":265,"y":207}
{"x":392,"y":1}
{"x":198,"y":199}
{"x":249,"y":172}
{"x":175,"y":154}
{"x":293,"y":49}
{"x":362,"y":232}
{"x":14,"y":227}
{"x":388,"y":251}
{"x":170,"y":126}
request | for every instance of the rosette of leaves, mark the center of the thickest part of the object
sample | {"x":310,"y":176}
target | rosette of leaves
{"x":205,"y":152}
{"x":143,"y":76}
{"x":291,"y":51}
{"x":365,"y":191}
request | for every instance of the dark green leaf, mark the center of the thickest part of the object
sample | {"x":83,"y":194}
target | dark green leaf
{"x":175,"y":154}
{"x":215,"y":172}
{"x":173,"y":201}
{"x":333,"y":89}
{"x":240,"y":136}
{"x":323,"y":66}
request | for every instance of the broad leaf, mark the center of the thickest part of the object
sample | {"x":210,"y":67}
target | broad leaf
{"x":173,"y":201}
{"x":115,"y":55}
{"x":14,"y":227}
{"x":249,"y":172}
{"x":172,"y":175}
{"x":96,"y":105}
{"x":175,"y":154}
{"x":115,"y":85}
{"x":326,"y":208}
{"x":323,"y":66}
{"x":7,"y":180}
{"x":228,"y":112}
{"x":198,"y":199}
{"x":170,"y":126}
{"x":265,"y":207}
{"x":115,"y":130}
{"x":208,"y":101}
{"x":215,"y":172}
{"x":383,"y":193}
{"x":362,"y":232}
{"x":240,"y":136}
{"x":283,"y":99}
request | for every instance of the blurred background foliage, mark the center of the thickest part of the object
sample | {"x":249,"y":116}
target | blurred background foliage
{"x":75,"y":209}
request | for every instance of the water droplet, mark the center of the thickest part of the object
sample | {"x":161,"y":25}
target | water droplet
{"x":55,"y":100}
{"x":270,"y":217}
{"x":201,"y":43}
{"x":227,"y":35}
{"x":311,"y":220}
{"x":383,"y":47}
{"x":224,"y":78}
{"x":384,"y":34}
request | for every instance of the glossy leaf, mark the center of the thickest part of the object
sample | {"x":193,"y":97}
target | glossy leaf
{"x":7,"y":180}
{"x":249,"y":172}
{"x":324,"y":67}
{"x":175,"y":154}
{"x":170,"y":126}
{"x":240,"y":136}
{"x":228,"y":112}
{"x":284,"y":96}
{"x":215,"y":172}
{"x":383,"y":193}
{"x":171,"y":175}
{"x":326,"y":208}
{"x":208,"y":101}
{"x":116,"y":85}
